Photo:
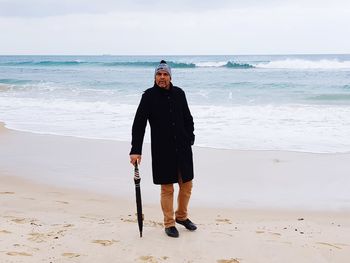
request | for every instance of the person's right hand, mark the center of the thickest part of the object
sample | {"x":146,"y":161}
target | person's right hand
{"x":135,"y":158}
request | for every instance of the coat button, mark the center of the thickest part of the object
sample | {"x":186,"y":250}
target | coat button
{"x":173,"y":123}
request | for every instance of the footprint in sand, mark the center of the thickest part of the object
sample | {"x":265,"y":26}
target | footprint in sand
{"x":341,"y":244}
{"x":18,"y":254}
{"x":105,"y":243}
{"x":5,"y":232}
{"x":71,"y":255}
{"x":65,"y":225}
{"x":23,"y":220}
{"x":129,"y":220}
{"x":275,"y":233}
{"x":33,"y":249}
{"x":28,"y":198}
{"x":271,"y":233}
{"x":231,"y":260}
{"x":89,"y":218}
{"x":7,"y":193}
{"x":42,"y":237}
{"x":151,"y":259}
{"x":152,"y":223}
{"x":328,"y":244}
{"x":20,"y":220}
{"x":62,"y":202}
{"x":37,"y":237}
{"x":224,"y":220}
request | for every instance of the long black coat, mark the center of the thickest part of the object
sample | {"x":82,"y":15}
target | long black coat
{"x":172,"y":135}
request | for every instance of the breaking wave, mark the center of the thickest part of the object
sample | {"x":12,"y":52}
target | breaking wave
{"x":92,"y":63}
{"x":289,"y":63}
{"x":305,"y":64}
{"x":214,"y":64}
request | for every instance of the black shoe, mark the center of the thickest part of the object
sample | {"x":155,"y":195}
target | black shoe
{"x":172,"y":231}
{"x":188,"y":224}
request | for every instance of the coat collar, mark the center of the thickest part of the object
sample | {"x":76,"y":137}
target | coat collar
{"x":164,"y":91}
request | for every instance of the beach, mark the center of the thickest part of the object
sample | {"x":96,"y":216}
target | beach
{"x":256,"y":110}
{"x":50,"y":213}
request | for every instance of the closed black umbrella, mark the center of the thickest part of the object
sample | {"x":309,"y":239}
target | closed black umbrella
{"x":137,"y":180}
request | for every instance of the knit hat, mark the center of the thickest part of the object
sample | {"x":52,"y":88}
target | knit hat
{"x":163,"y":66}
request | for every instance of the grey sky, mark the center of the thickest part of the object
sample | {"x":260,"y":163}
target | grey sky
{"x":174,"y":27}
{"x":40,"y":8}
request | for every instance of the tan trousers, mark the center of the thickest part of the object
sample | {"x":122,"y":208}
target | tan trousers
{"x":167,"y":202}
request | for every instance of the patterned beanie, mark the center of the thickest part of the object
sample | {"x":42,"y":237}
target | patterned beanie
{"x":163,"y":66}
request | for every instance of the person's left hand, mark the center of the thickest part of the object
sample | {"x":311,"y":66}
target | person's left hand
{"x":135,"y":158}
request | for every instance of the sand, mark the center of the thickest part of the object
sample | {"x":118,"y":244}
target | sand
{"x":46,"y":220}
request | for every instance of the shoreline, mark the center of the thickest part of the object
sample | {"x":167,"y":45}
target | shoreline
{"x":3,"y":125}
{"x":223,"y":178}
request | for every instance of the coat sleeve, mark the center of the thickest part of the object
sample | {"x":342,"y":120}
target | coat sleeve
{"x":139,"y":125}
{"x":188,"y":120}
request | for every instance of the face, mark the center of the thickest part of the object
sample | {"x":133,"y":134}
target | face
{"x":163,"y":79}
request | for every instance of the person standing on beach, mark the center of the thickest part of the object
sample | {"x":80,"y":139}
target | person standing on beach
{"x":166,"y":109}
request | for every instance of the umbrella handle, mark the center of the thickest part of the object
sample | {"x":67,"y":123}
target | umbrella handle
{"x":136,"y":172}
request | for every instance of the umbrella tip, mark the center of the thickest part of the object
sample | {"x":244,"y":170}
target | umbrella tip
{"x":140,"y":234}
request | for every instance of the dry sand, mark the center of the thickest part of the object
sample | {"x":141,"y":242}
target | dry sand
{"x":46,"y":223}
{"x":40,"y":223}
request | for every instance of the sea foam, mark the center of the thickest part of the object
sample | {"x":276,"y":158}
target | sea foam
{"x":305,"y":64}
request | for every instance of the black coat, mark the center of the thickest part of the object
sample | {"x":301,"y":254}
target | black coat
{"x":172,"y":135}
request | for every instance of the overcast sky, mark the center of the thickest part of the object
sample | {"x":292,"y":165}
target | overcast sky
{"x":122,"y":27}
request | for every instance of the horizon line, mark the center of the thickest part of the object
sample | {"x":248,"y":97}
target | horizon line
{"x":174,"y":55}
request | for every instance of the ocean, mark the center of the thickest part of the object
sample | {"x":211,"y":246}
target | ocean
{"x":265,"y":102}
